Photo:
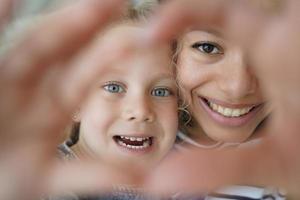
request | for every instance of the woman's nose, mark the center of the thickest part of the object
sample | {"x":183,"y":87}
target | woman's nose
{"x":237,"y":80}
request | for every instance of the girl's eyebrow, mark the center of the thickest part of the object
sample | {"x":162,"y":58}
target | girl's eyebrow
{"x":214,"y":31}
{"x":114,"y":70}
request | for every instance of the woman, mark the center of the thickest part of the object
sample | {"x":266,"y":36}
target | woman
{"x":222,"y":101}
{"x":220,"y":92}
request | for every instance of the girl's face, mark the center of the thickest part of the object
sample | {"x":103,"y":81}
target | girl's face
{"x":223,"y":95}
{"x":132,"y":116}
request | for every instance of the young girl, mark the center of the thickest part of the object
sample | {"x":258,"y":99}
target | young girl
{"x":223,"y":104}
{"x":131,"y":117}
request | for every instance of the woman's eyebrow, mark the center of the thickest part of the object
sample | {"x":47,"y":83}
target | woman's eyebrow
{"x":163,"y":77}
{"x":166,"y":76}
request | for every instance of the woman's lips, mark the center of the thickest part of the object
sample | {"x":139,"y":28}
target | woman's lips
{"x":237,"y":115}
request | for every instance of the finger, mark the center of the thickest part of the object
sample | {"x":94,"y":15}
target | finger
{"x":64,"y":31}
{"x":175,"y":16}
{"x":64,"y":90}
{"x":285,"y":126}
{"x":79,"y":78}
{"x":203,"y":171}
{"x":22,"y":168}
{"x":6,"y":7}
{"x":88,"y":177}
{"x":274,"y":44}
{"x":59,"y":35}
{"x":232,"y":16}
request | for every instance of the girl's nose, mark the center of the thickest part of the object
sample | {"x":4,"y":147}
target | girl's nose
{"x":139,"y":110}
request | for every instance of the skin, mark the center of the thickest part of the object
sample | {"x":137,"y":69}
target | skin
{"x":136,"y":97}
{"x":271,"y":39}
{"x":270,"y":36}
{"x":36,"y":106}
{"x":211,"y":67}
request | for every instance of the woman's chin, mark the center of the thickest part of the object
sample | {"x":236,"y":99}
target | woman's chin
{"x":230,"y":136}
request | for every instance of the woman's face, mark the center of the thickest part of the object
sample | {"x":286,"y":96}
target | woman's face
{"x":223,"y":95}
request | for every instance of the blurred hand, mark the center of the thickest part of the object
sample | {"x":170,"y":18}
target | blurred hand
{"x":45,"y":78}
{"x":5,"y":8}
{"x":270,"y":31}
{"x":42,"y":80}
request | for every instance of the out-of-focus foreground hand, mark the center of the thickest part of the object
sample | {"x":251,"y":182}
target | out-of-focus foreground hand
{"x":42,"y":80}
{"x":271,"y":32}
{"x":5,"y":8}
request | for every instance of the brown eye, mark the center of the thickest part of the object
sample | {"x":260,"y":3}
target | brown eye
{"x":208,"y":48}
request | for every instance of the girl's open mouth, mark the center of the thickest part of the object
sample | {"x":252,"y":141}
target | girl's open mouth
{"x":134,"y":143}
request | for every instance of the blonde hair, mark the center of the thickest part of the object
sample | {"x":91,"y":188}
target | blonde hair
{"x":141,"y":9}
{"x":185,"y":118}
{"x":136,"y":11}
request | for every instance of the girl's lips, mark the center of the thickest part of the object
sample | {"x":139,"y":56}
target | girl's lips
{"x":134,"y":145}
{"x":230,"y":121}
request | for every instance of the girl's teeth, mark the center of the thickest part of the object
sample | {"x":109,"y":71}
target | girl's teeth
{"x":121,"y":143}
{"x":229,"y":112}
{"x":145,"y":144}
{"x":139,"y":139}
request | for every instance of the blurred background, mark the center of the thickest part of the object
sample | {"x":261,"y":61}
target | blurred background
{"x":24,"y":14}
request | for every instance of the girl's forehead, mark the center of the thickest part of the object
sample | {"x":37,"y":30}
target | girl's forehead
{"x":204,"y":32}
{"x":122,"y":29}
{"x":158,"y":59}
{"x":148,"y":60}
{"x":143,"y":65}
{"x":142,"y":75}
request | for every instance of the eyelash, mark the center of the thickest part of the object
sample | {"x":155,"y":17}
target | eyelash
{"x":108,"y":87}
{"x":169,"y":92}
{"x":217,"y":49}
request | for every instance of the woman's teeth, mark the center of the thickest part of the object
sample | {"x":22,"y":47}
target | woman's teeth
{"x":229,"y":112}
{"x":134,"y":142}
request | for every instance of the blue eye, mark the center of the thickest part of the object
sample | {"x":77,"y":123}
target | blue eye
{"x":161,"y":92}
{"x":114,"y":88}
{"x":208,"y":48}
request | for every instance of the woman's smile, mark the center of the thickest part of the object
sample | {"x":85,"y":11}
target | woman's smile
{"x":229,"y":114}
{"x":222,"y":92}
